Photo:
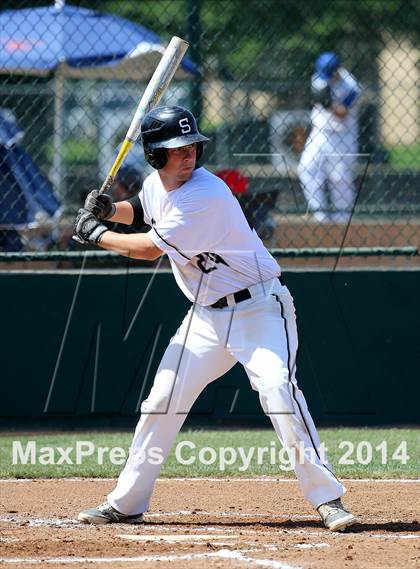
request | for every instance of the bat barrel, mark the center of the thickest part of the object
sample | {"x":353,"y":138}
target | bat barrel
{"x":157,"y":85}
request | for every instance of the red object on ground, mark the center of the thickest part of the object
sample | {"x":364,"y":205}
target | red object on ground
{"x":236,"y":181}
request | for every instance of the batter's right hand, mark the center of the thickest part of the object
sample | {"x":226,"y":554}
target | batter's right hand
{"x":88,"y":228}
{"x":101,"y":205}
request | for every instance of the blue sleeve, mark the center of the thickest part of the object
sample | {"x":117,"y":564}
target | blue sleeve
{"x":351,"y":97}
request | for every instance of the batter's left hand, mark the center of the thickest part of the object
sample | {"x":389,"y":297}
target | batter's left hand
{"x":101,"y":205}
{"x":87,"y":228}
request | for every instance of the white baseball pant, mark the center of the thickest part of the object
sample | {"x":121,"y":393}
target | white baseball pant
{"x":261,"y":334}
{"x":329,"y":157}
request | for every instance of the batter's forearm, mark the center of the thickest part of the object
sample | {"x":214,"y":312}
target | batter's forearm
{"x":135,"y":245}
{"x":123,"y":213}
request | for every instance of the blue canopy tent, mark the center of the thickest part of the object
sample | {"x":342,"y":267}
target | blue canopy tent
{"x":25,"y":194}
{"x":72,"y":42}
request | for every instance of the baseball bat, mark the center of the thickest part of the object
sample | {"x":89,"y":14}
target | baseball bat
{"x":157,"y":85}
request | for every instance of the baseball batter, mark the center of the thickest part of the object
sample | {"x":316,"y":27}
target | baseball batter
{"x":330,"y":153}
{"x":241,"y":312}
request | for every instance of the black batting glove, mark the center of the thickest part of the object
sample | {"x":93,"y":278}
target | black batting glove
{"x":101,"y":205}
{"x":87,"y":228}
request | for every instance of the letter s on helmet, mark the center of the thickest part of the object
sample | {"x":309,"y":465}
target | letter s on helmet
{"x":168,"y":127}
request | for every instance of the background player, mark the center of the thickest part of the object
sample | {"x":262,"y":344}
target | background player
{"x":330,"y":153}
{"x":241,"y":312}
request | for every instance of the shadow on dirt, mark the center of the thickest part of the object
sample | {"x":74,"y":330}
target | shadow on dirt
{"x":388,"y":527}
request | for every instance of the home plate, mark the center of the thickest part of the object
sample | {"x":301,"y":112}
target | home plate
{"x":173,"y":538}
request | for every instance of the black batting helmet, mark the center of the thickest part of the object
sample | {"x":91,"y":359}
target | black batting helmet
{"x":168,"y":127}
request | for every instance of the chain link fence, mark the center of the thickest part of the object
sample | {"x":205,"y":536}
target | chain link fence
{"x":312,"y":109}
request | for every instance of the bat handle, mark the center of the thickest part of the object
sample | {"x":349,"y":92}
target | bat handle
{"x":109,"y":180}
{"x":124,"y":150}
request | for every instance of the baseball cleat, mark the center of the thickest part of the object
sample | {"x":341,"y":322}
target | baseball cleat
{"x":335,"y":516}
{"x":106,"y":514}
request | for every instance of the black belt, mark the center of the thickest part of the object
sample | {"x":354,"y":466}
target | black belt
{"x":239,"y":296}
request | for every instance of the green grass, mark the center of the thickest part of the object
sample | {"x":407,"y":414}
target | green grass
{"x":404,"y":157}
{"x":393,"y":467}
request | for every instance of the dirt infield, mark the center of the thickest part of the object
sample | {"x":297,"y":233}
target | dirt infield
{"x":208,"y":523}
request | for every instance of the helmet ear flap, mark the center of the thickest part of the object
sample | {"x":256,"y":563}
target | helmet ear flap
{"x":157,"y":158}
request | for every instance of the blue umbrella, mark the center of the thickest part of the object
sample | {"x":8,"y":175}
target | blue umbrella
{"x":39,"y":40}
{"x":74,"y":42}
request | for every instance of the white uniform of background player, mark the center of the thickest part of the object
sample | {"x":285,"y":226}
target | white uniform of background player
{"x":241,"y":312}
{"x":330,"y":154}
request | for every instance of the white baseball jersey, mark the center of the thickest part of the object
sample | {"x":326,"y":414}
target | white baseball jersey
{"x":344,"y":91}
{"x":202,"y":229}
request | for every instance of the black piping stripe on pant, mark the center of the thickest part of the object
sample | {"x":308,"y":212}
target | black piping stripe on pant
{"x":294,"y":388}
